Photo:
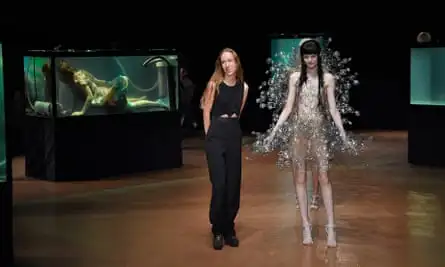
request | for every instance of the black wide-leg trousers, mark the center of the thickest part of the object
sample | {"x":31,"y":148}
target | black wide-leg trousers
{"x":223,"y":150}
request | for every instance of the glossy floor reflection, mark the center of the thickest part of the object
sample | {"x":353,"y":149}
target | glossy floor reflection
{"x":388,"y":214}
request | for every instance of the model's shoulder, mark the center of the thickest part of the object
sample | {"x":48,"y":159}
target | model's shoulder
{"x":294,"y":75}
{"x":328,"y":76}
{"x":246,"y":86}
{"x":211,"y":84}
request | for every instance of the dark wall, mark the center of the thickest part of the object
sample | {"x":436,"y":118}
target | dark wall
{"x":381,"y":59}
{"x":382,"y":63}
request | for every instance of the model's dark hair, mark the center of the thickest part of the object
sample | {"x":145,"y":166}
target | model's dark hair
{"x":312,"y":47}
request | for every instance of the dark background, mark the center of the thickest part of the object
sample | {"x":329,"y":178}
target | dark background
{"x":381,"y":58}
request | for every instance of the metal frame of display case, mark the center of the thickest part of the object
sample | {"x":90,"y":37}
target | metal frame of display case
{"x":99,"y":146}
{"x":6,"y":242}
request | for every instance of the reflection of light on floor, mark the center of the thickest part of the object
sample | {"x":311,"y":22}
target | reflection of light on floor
{"x":423,"y":212}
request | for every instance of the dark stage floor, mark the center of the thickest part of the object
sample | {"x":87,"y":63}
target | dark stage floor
{"x":388,"y":214}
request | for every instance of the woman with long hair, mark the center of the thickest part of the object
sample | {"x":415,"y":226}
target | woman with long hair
{"x":222,"y":103}
{"x":311,"y":119}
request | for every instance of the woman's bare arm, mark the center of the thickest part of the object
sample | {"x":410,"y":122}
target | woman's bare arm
{"x":207,"y":103}
{"x":336,"y":116}
{"x":246,"y":92}
{"x":289,"y":101}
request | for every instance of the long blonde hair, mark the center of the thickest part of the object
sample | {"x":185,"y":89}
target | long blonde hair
{"x":218,"y":76}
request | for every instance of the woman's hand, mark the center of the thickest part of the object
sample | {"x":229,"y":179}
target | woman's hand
{"x":268,"y":141}
{"x":344,"y":138}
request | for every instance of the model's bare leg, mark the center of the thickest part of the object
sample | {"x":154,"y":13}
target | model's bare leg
{"x":304,"y":211}
{"x":326,"y":188}
{"x":315,"y":202}
{"x":326,"y":191}
{"x":299,"y":174}
{"x":298,"y":152}
{"x":295,"y":179}
{"x":295,"y":184}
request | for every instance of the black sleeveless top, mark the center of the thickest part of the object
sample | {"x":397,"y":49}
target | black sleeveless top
{"x":228,"y":100}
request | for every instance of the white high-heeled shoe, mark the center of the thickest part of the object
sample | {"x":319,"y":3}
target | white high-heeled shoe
{"x":307,"y":235}
{"x":331,"y":241}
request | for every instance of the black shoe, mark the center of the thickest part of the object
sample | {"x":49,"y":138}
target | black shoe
{"x":218,"y":241}
{"x":231,"y":240}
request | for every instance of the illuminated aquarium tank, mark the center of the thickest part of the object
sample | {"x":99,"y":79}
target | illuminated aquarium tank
{"x":428,"y":76}
{"x":37,"y":85}
{"x":2,"y":122}
{"x":282,"y":49}
{"x":282,"y":46}
{"x":101,"y":85}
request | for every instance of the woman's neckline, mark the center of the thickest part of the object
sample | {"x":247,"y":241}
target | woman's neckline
{"x":228,"y":85}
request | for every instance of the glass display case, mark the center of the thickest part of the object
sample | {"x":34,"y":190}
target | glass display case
{"x":2,"y":122}
{"x":101,"y":82}
{"x":37,"y":77}
{"x":427,"y":77}
{"x":283,"y":47}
